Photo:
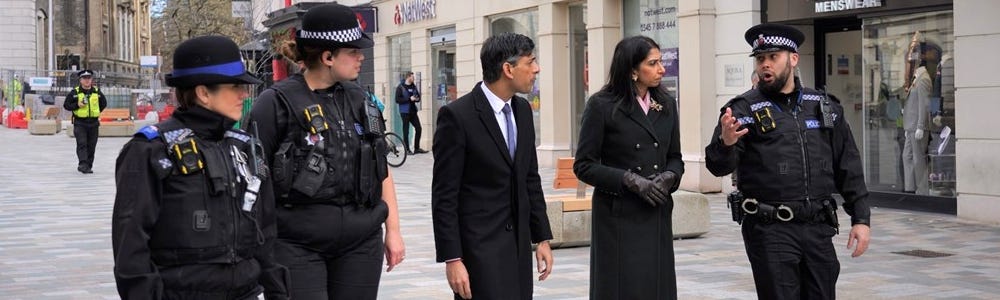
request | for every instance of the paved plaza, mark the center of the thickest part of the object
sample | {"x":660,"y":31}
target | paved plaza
{"x":55,"y":242}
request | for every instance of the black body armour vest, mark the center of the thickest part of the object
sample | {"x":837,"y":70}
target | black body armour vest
{"x":334,"y":148}
{"x":207,"y":210}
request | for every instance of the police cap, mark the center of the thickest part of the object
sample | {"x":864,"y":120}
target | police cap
{"x":770,"y":37}
{"x":85,"y":73}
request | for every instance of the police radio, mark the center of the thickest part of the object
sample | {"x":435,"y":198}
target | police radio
{"x":765,"y":119}
{"x":826,"y":111}
{"x":186,"y":153}
{"x":316,"y":119}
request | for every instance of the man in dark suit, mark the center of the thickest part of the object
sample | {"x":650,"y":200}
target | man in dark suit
{"x":487,"y":197}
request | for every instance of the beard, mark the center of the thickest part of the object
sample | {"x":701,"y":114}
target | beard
{"x":775,"y":86}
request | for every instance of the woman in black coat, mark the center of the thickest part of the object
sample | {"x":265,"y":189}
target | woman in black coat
{"x":630,"y":152}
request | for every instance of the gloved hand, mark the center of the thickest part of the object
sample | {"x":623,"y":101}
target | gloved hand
{"x":919,"y":134}
{"x":666,"y":181}
{"x":645,"y":188}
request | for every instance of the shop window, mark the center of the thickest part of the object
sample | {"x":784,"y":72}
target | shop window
{"x":656,"y":19}
{"x":909,"y":92}
{"x":526,"y":23}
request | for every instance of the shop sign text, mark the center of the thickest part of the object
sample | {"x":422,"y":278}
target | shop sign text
{"x":841,"y":5}
{"x":415,"y":10}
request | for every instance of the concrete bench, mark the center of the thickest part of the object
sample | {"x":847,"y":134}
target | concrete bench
{"x":570,"y":216}
{"x":48,"y":124}
{"x":114,"y":122}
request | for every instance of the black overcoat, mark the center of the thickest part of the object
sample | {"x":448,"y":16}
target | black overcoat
{"x":631,"y":253}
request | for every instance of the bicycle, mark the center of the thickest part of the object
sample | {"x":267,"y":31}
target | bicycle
{"x":395,"y":150}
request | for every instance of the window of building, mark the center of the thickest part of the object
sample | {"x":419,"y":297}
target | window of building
{"x":400,"y":56}
{"x":526,"y":23}
{"x":656,"y":19}
{"x":909,"y":94}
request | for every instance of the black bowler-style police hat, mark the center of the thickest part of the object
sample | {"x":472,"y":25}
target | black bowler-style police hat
{"x":333,"y":26}
{"x":207,"y":60}
{"x":772,"y":37}
{"x":85,"y":73}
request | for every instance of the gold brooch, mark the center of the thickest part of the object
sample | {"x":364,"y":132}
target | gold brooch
{"x":656,"y":106}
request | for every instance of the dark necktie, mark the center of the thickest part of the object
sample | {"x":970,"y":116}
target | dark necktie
{"x":511,"y":132}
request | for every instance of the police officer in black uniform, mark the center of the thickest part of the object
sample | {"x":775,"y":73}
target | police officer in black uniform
{"x":194,"y":212}
{"x":327,"y":151}
{"x":86,"y":102}
{"x":791,"y":149}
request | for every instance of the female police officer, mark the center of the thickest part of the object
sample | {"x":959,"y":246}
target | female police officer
{"x":194,"y":214}
{"x":330,"y":177}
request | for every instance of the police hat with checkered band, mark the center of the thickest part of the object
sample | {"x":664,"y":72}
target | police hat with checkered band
{"x":208,"y":60}
{"x":772,"y":37}
{"x":85,"y":73}
{"x":332,"y":26}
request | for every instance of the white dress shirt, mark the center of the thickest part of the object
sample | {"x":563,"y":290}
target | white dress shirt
{"x":497,"y":104}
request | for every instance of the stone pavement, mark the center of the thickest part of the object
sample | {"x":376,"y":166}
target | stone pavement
{"x":55,"y":240}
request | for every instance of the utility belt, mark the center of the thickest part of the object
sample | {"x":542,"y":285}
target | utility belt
{"x":767,"y":212}
{"x":213,"y":255}
{"x":343,"y":200}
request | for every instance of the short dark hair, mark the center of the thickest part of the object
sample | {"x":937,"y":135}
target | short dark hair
{"x":503,"y":48}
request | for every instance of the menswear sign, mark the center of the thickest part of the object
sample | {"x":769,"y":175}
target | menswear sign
{"x":415,"y":10}
{"x":840,"y":5}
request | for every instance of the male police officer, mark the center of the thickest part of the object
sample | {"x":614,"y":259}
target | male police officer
{"x":86,"y":102}
{"x":792,"y":149}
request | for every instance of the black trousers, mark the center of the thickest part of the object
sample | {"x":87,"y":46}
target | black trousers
{"x":332,"y":252}
{"x":408,"y":119}
{"x":792,"y":260}
{"x":86,"y":142}
{"x":212,"y":281}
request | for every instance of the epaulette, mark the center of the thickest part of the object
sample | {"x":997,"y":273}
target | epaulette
{"x":149,"y":131}
{"x":177,"y":135}
{"x":238,"y":135}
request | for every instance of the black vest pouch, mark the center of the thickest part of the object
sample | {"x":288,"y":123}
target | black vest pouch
{"x":282,"y":169}
{"x":312,"y":172}
{"x":217,"y":170}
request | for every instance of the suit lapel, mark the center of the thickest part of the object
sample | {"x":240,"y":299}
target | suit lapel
{"x":489,"y":120}
{"x":637,"y":116}
{"x":523,"y":117}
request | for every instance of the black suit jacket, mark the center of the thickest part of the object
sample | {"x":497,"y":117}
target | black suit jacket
{"x":487,"y":207}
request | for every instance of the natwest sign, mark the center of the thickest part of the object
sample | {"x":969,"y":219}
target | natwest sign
{"x":414,"y":10}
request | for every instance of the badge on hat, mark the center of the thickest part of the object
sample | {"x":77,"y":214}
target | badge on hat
{"x":771,"y":37}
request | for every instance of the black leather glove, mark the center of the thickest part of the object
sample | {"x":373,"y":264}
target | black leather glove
{"x":666,"y":181}
{"x":645,"y":188}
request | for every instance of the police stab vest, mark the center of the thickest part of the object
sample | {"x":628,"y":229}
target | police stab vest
{"x":207,"y":210}
{"x":314,"y":163}
{"x":90,"y":104}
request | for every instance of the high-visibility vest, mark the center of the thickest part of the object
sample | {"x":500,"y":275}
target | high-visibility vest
{"x":92,"y":109}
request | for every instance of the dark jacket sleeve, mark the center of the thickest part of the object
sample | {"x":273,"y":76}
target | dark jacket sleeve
{"x":270,"y":117}
{"x":539,"y":218}
{"x":70,"y":103}
{"x":135,"y":213}
{"x":401,"y":97}
{"x":847,"y":171}
{"x":102,"y":101}
{"x":449,"y":163}
{"x":587,"y":164}
{"x":720,"y":159}
{"x":675,"y":161}
{"x":274,"y":277}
